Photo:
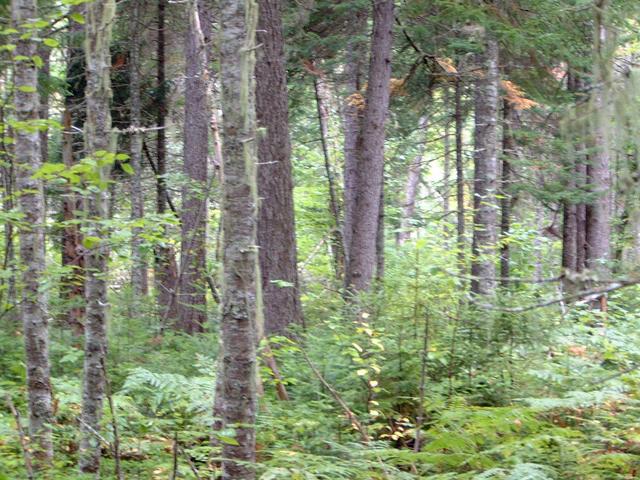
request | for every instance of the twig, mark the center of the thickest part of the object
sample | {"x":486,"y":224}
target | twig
{"x":174,"y":472}
{"x":270,"y":362}
{"x":114,"y":426}
{"x":423,"y":380}
{"x":191,"y":464}
{"x":364,"y":436}
{"x":588,"y":295}
{"x":24,"y":443}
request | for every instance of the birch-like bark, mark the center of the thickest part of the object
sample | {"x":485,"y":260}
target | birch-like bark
{"x":485,"y":156}
{"x":97,"y":131}
{"x":240,"y":257}
{"x":27,"y":157}
{"x":276,"y":221}
{"x":192,"y":299}
{"x":361,"y":261}
{"x":412,"y":183}
{"x":139,"y":276}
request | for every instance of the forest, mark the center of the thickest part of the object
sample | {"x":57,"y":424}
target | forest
{"x":320,"y":239}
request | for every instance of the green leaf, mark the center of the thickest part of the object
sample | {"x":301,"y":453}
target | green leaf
{"x":37,"y":61}
{"x":228,"y":440}
{"x":128,"y":168}
{"x":90,"y":242}
{"x":50,"y":42}
{"x":77,"y":17}
{"x":27,"y":88}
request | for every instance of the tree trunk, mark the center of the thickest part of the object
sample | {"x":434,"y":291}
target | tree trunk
{"x":240,"y":259}
{"x":411,"y":186}
{"x":460,"y":221}
{"x":97,"y":131}
{"x":509,"y":119}
{"x":322,"y":103}
{"x":276,"y":223}
{"x":352,"y":122}
{"x":32,"y":254}
{"x":599,"y":211}
{"x":192,"y":299}
{"x":485,"y":214}
{"x":361,"y":260}
{"x":165,"y":268}
{"x":581,"y":218}
{"x":72,"y":257}
{"x":139,"y":277}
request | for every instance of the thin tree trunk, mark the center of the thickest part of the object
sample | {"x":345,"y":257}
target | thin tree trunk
{"x":411,"y":186}
{"x":380,"y":240}
{"x":27,"y":156}
{"x":241,"y":297}
{"x":72,"y":288}
{"x":97,"y":130}
{"x":581,"y":219}
{"x":599,"y":211}
{"x":361,"y":260}
{"x":8,"y":180}
{"x":352,"y":122}
{"x":276,"y":222}
{"x":73,"y":284}
{"x":322,"y":104}
{"x":139,"y":276}
{"x":165,"y":268}
{"x":192,"y":300}
{"x":485,"y":218}
{"x":509,"y":119}
{"x":460,"y":210}
{"x":446,"y":181}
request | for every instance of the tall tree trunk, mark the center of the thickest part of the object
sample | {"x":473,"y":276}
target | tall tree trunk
{"x":192,"y":299}
{"x":581,"y":218}
{"x":240,"y":259}
{"x":165,"y":265}
{"x":322,"y":103}
{"x":97,"y":131}
{"x":8,"y":293}
{"x":352,"y":121}
{"x":73,"y":284}
{"x":460,"y":210}
{"x":599,"y":211}
{"x":412,"y":183}
{"x":139,"y":276}
{"x":509,"y":119}
{"x":276,"y":222}
{"x":485,"y":214}
{"x":446,"y":180}
{"x":32,"y":255}
{"x":361,"y":261}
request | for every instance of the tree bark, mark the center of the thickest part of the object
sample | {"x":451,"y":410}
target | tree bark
{"x":485,"y":214}
{"x":352,"y":122}
{"x":97,"y":131}
{"x":412,"y":183}
{"x":166,"y":275}
{"x":241,"y":297}
{"x":322,"y":103}
{"x":460,"y":209}
{"x":72,"y":286}
{"x":509,"y":119}
{"x":276,"y":222}
{"x":32,"y":246}
{"x":139,"y":276}
{"x":361,"y":260}
{"x":599,"y":211}
{"x":192,"y":299}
